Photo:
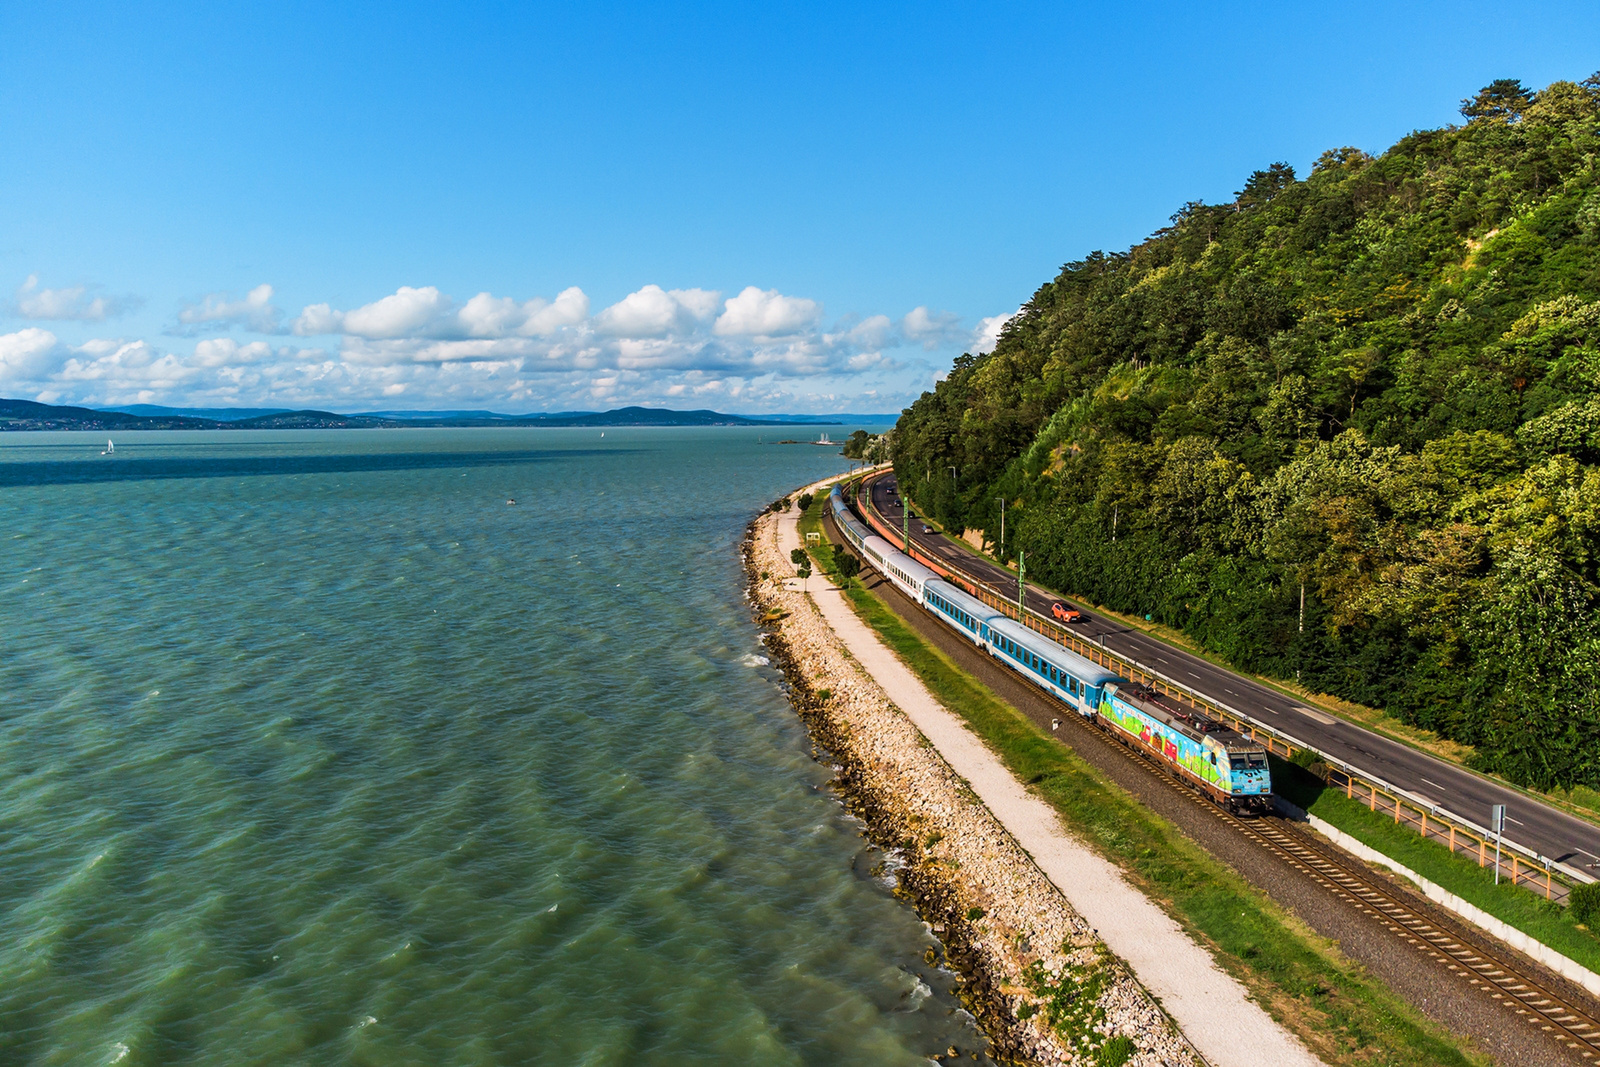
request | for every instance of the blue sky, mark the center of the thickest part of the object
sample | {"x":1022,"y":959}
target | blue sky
{"x":745,"y":207}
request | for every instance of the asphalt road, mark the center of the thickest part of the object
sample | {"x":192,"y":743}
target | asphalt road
{"x":1545,"y":830}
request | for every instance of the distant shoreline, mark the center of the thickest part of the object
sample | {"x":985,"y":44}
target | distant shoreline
{"x":27,"y":415}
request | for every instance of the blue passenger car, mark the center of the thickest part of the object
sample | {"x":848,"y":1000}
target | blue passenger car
{"x":1063,"y":673}
{"x":854,"y":530}
{"x":969,"y":615}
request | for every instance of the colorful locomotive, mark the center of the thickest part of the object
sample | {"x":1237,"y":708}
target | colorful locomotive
{"x":1224,"y":764}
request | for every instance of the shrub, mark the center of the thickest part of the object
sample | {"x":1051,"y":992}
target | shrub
{"x":1117,"y":1051}
{"x":1585,"y":903}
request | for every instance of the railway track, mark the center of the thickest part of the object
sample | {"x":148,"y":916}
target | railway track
{"x":1567,"y":1019}
{"x":1468,"y":955}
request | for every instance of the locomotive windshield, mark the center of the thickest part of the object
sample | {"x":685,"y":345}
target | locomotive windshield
{"x":1248,"y":760}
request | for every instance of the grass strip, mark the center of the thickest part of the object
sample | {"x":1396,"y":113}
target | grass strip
{"x":1345,"y":1015}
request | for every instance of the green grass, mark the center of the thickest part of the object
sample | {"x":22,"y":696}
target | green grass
{"x":1552,"y":924}
{"x":1343,"y":1013}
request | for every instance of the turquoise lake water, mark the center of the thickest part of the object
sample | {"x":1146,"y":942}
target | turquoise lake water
{"x":313,"y":749}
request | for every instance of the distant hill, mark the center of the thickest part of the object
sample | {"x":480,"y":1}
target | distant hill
{"x":28,"y":415}
{"x":214,"y":414}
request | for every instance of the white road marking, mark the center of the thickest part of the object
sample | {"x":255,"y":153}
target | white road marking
{"x":1315,"y":716}
{"x":1433,"y":783}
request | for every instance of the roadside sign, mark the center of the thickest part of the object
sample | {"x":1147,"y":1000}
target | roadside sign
{"x":1497,"y":823}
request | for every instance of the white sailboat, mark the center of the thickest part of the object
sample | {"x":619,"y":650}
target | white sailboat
{"x":111,"y":449}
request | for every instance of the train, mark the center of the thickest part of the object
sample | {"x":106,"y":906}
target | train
{"x":1216,"y":759}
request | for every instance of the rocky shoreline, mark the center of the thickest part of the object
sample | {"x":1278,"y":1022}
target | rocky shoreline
{"x":1039,"y":981}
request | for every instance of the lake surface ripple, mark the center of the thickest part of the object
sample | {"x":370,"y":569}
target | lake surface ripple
{"x":313,"y":749}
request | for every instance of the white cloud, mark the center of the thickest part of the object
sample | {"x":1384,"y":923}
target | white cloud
{"x":226,"y":352}
{"x":931,"y":329}
{"x":486,"y":315}
{"x":407,"y":312}
{"x":987,"y":335}
{"x":254,"y":311}
{"x":766,"y":313}
{"x":655,"y":312}
{"x":569,"y":308}
{"x":318,"y":318}
{"x":427,"y":313}
{"x":28,"y":355}
{"x":758,"y":350}
{"x":77,"y":303}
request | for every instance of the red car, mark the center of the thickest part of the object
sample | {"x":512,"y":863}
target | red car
{"x":1064,"y":613}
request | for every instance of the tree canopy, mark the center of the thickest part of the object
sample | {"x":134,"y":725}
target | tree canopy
{"x":1380,"y":382}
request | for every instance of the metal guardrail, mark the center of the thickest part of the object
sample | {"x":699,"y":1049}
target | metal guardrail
{"x":1523,"y":865}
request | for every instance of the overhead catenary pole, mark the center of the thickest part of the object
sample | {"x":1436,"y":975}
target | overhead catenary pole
{"x":905,"y":523}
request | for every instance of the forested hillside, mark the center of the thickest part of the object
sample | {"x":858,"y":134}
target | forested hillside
{"x":1380,"y":383}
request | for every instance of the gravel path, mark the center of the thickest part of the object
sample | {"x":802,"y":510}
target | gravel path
{"x":1213,"y":1010}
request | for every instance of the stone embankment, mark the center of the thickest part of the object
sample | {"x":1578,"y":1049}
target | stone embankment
{"x":1034,"y":973}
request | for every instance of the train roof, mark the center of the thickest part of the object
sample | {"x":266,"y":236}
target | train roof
{"x":882,"y":549}
{"x":963,"y":600}
{"x":1190,"y":721}
{"x":1083,"y":669}
{"x":842,"y":514}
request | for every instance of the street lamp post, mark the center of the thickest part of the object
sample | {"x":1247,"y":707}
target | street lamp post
{"x":1002,"y":529}
{"x":1022,"y":588}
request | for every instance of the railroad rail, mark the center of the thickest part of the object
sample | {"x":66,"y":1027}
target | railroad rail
{"x":1518,"y":864}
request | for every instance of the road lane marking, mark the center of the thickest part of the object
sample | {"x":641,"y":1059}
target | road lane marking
{"x":1315,"y":716}
{"x":1433,"y":783}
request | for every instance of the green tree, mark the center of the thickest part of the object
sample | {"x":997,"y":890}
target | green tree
{"x":1504,"y":99}
{"x":846,"y":564}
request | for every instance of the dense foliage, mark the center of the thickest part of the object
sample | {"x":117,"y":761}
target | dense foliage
{"x":1379,"y":385}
